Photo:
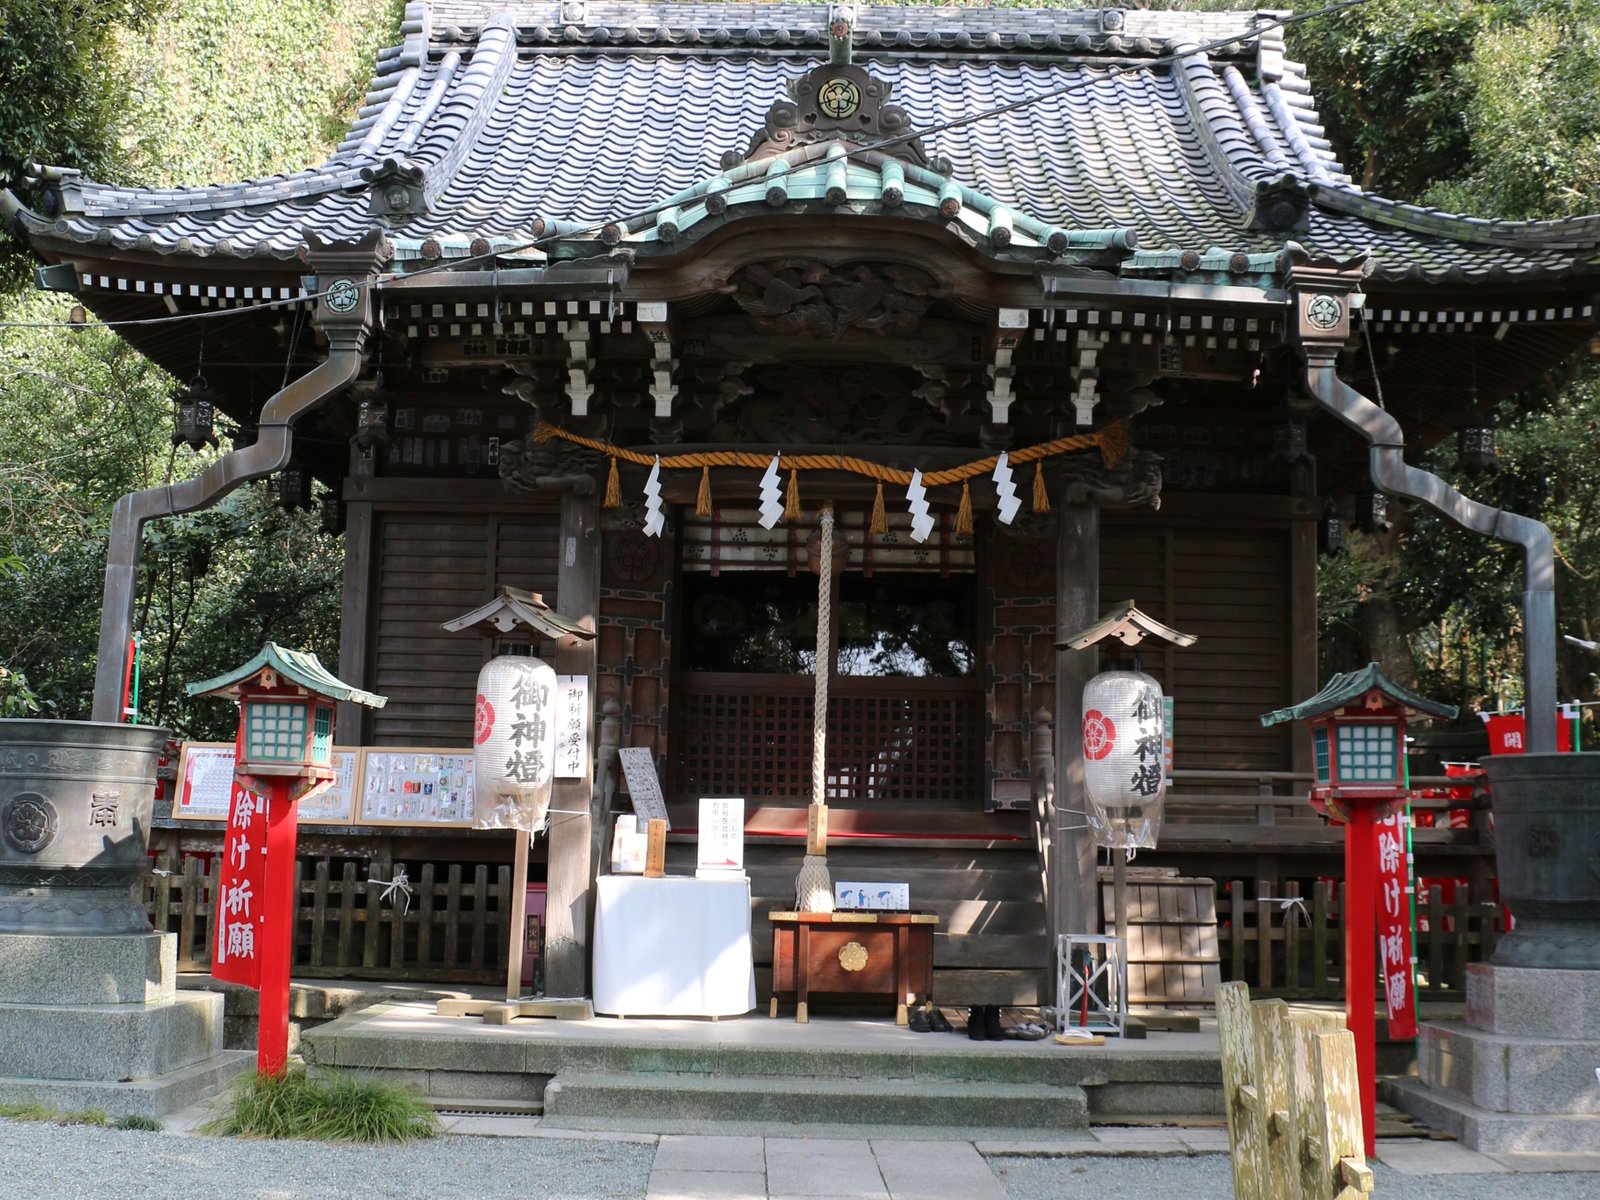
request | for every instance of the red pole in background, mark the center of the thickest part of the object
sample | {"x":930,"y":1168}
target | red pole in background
{"x":277,"y":935}
{"x":1360,"y":955}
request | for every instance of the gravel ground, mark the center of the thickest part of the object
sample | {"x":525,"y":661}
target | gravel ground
{"x":1207,"y":1177}
{"x":40,"y":1161}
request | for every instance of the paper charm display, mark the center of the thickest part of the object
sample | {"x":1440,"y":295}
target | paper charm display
{"x":917,"y":500}
{"x":653,"y":516}
{"x":1010,"y":502}
{"x":771,"y":496}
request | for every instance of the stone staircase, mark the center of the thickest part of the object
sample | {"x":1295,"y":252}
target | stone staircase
{"x":757,"y":1074}
{"x":990,"y":946}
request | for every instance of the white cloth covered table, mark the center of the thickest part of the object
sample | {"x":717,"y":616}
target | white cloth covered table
{"x":676,"y":947}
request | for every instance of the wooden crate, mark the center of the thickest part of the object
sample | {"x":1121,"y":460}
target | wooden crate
{"x":1173,"y":955}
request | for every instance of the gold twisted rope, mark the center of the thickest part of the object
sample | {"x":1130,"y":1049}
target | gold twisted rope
{"x":1112,"y":441}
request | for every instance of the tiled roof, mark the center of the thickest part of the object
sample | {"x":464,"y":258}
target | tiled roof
{"x":503,"y":115}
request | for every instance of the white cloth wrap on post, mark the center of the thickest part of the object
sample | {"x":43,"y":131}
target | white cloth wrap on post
{"x":1124,"y":771}
{"x":813,"y":889}
{"x":514,"y":741}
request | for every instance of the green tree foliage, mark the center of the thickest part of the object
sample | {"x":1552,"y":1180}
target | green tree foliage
{"x":200,"y":92}
{"x":1490,"y":108}
{"x":59,"y":72}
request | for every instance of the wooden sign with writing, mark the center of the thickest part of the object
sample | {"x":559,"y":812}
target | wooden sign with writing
{"x":644,"y":787}
{"x":655,"y":855}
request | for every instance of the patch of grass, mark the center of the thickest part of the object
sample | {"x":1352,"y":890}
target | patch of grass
{"x":139,"y":1121}
{"x":326,"y":1108}
{"x":27,"y":1112}
{"x":32,"y":1111}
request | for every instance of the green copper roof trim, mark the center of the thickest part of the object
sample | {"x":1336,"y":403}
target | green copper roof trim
{"x":828,"y":172}
{"x":1350,"y":686}
{"x":299,"y":667}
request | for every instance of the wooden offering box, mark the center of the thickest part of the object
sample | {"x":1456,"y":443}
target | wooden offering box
{"x":840,"y":956}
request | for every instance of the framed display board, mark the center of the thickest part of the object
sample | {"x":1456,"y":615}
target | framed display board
{"x":337,"y":805}
{"x":417,"y":785}
{"x":205,"y":783}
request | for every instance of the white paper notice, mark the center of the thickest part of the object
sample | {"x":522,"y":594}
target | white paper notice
{"x":721,"y":834}
{"x":572,"y":726}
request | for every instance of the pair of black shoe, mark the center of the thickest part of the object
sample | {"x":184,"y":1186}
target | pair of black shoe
{"x":929,"y":1020}
{"x":983,"y":1023}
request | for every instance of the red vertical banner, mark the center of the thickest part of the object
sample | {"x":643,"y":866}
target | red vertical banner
{"x":1394,"y":926}
{"x":240,"y":913}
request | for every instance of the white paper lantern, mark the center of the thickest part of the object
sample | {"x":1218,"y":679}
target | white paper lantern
{"x":514,"y":741}
{"x":1123,"y":757}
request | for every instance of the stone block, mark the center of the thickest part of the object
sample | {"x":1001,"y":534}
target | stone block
{"x":134,"y":968}
{"x":155,"y":1097}
{"x":1531,"y":1002}
{"x":118,"y":1042}
{"x":1500,"y":1073}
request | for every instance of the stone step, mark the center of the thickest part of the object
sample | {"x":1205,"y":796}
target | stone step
{"x":155,"y":1097}
{"x":1494,"y":1132}
{"x":721,"y":1098}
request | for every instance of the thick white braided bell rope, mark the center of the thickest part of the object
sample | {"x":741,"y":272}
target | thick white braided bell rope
{"x":819,"y":724}
{"x":813,"y":889}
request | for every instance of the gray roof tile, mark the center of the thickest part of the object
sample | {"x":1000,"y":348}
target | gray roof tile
{"x":515,"y":115}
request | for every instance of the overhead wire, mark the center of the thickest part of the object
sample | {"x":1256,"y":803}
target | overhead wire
{"x":1266,"y":23}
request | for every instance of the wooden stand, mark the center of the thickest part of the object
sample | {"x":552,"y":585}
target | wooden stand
{"x":842,"y":955}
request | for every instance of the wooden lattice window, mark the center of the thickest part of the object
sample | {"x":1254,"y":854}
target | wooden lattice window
{"x":751,"y":736}
{"x":905,"y":712}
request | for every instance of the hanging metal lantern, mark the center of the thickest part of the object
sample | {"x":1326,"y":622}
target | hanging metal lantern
{"x":1124,"y":757}
{"x":1289,"y":439}
{"x":1372,"y":510}
{"x":514,"y":742}
{"x":372,"y":424}
{"x":294,"y":487}
{"x":333,"y":515}
{"x":1330,"y":533}
{"x":1476,"y":449}
{"x":194,"y":423}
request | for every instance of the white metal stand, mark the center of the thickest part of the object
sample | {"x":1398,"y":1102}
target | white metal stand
{"x":1092,"y":980}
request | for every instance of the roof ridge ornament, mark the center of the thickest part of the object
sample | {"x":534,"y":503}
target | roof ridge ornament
{"x":841,"y":34}
{"x":839,"y":100}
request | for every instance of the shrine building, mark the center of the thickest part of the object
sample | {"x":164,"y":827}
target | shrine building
{"x":564,"y":240}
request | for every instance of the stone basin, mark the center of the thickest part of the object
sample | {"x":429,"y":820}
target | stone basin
{"x":75,"y":809}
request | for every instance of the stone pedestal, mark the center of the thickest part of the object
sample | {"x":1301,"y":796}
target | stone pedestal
{"x":1519,"y":1074}
{"x":97,"y":1022}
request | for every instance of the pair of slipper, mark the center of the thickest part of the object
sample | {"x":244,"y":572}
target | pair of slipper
{"x":928,"y":1020}
{"x":1027,"y":1031}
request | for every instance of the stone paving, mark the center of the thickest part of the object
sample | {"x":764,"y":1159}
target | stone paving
{"x":882,"y":1164}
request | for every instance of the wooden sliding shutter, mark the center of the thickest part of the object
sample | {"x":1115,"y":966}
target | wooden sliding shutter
{"x":1230,"y":587}
{"x":432,"y":566}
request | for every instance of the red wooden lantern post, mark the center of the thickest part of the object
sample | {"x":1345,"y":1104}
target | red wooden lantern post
{"x":1358,"y":734}
{"x":284,"y":754}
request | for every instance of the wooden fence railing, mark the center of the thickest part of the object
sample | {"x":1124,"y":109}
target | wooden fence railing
{"x":451,"y":928}
{"x":1293,"y":946}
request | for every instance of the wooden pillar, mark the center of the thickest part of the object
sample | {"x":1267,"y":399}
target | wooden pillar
{"x":1077,"y":605}
{"x":566,"y":945}
{"x":354,"y":610}
{"x":1302,"y":628}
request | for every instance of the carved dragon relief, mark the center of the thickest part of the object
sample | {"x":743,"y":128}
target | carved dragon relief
{"x":1134,"y":481}
{"x":555,"y":466}
{"x":800,"y":295}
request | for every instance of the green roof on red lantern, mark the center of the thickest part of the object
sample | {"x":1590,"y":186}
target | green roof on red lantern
{"x":299,"y":667}
{"x":1349,"y":687}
